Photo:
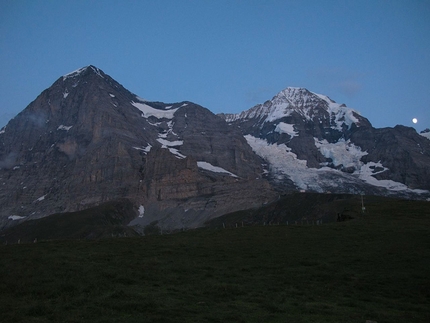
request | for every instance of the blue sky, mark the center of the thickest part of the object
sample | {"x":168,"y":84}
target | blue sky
{"x":227,"y":56}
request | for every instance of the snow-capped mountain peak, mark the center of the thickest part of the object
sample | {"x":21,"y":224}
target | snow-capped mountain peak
{"x":81,"y":70}
{"x":305,"y":137}
{"x":307,"y":105}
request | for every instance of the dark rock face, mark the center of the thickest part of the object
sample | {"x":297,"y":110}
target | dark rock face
{"x":402,"y":150}
{"x":86,"y":140}
{"x":70,"y":147}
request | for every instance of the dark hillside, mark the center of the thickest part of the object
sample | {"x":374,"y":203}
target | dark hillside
{"x":106,"y":220}
{"x":374,"y":268}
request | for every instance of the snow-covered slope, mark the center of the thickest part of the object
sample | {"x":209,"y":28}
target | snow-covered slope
{"x":425,"y":133}
{"x":308,"y":105}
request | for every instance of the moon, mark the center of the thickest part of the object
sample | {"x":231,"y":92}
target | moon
{"x":414,"y":120}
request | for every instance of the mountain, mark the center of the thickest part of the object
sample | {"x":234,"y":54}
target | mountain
{"x":312,"y":143}
{"x":87,"y":141}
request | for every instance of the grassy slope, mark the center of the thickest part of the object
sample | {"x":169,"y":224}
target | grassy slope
{"x":308,"y":207}
{"x":372,"y":268}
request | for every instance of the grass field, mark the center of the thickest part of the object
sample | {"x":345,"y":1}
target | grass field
{"x":375,"y":267}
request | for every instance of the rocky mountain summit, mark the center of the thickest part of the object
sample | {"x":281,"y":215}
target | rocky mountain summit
{"x":87,"y":140}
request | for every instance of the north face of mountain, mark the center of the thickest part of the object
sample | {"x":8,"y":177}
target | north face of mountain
{"x":87,"y":140}
{"x":316,"y":144}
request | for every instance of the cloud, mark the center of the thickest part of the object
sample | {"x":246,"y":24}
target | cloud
{"x":37,"y":118}
{"x":9,"y":161}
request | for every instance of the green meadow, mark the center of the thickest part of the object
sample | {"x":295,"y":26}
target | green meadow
{"x":374,"y":267}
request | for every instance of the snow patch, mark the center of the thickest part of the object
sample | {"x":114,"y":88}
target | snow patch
{"x":41,"y":198}
{"x":169,"y":144}
{"x":80,"y":71}
{"x":74,"y":73}
{"x":111,"y":95}
{"x":212,"y":168}
{"x":282,"y":162}
{"x":424,"y":134}
{"x":283,"y":127}
{"x":141,"y":211}
{"x":367,"y":170}
{"x":176,"y":152}
{"x":148,"y":111}
{"x":62,"y":127}
{"x":146,"y":149}
{"x":65,"y":94}
{"x":341,"y":153}
{"x":16,"y":217}
{"x":3,"y":130}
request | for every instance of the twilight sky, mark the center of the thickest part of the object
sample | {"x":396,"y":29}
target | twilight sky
{"x":226,"y":55}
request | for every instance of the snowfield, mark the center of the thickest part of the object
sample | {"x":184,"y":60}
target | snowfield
{"x":341,"y":153}
{"x":148,"y":111}
{"x":284,"y":163}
